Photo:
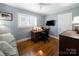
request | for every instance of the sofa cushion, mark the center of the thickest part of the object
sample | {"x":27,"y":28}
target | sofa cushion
{"x":4,"y":29}
{"x":1,"y":53}
{"x":7,"y":48}
{"x":13,"y":43}
{"x":8,"y":37}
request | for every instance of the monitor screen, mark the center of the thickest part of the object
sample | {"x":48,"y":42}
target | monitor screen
{"x":50,"y":23}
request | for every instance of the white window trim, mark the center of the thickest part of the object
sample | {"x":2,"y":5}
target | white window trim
{"x":29,"y":24}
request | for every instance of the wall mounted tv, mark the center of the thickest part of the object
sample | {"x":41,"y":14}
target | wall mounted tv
{"x":50,"y":23}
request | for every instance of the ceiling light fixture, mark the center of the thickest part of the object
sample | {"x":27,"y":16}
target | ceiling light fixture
{"x":41,"y":5}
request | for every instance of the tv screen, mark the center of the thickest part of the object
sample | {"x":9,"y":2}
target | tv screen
{"x":50,"y":23}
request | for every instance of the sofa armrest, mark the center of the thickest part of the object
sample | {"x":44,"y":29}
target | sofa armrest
{"x":7,"y":48}
{"x":1,"y":53}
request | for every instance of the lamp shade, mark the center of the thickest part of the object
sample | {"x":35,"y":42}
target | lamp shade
{"x":75,"y":20}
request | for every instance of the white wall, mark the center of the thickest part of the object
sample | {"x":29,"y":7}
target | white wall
{"x":74,"y":11}
{"x":64,"y":22}
{"x":13,"y":25}
{"x":53,"y":29}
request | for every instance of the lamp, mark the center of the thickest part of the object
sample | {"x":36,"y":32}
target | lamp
{"x":75,"y":20}
{"x":76,"y":23}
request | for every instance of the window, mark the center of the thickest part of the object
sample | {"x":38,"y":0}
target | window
{"x":25,"y":20}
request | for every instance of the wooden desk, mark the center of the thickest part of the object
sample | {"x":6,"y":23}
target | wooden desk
{"x":69,"y":43}
{"x":36,"y":36}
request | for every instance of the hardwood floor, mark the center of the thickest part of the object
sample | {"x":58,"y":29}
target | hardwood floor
{"x":30,"y":48}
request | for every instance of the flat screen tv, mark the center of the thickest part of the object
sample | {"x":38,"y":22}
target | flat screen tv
{"x":50,"y":23}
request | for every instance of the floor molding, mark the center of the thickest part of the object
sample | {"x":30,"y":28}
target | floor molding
{"x":30,"y":38}
{"x":57,"y":37}
{"x":23,"y":39}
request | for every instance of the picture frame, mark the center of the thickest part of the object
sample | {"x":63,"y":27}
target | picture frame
{"x":6,"y":16}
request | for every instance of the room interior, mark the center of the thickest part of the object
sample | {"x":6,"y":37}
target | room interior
{"x":39,"y":29}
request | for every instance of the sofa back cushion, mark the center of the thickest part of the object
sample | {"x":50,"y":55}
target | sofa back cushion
{"x":8,"y":37}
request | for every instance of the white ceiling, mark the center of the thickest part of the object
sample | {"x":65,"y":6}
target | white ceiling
{"x":42,"y":8}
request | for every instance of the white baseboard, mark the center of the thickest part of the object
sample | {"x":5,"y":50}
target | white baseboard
{"x":57,"y":37}
{"x":18,"y":41}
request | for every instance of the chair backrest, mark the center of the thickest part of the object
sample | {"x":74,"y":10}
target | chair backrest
{"x":47,"y":32}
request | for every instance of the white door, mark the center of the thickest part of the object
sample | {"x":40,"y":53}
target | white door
{"x":64,"y":22}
